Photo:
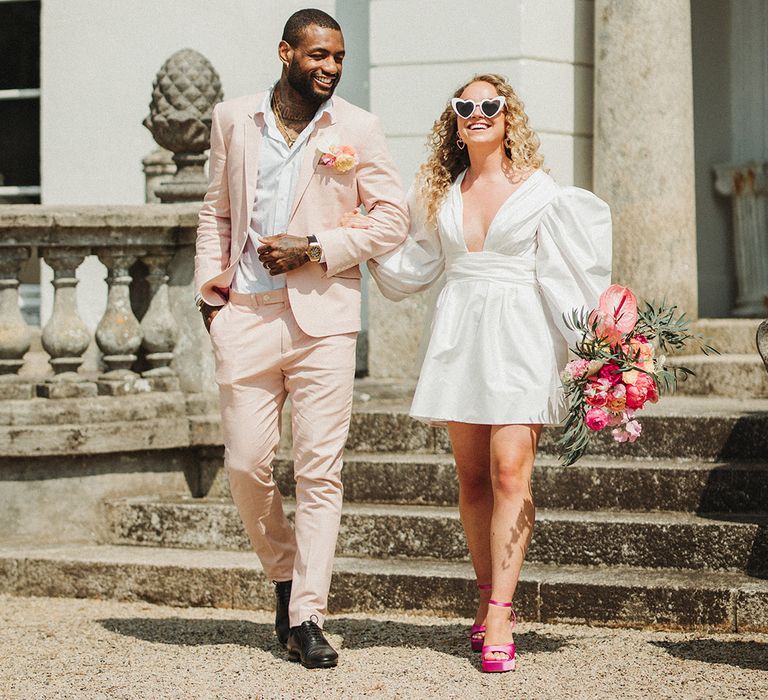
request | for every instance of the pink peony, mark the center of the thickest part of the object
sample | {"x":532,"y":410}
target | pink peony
{"x":328,"y":160}
{"x":596,"y":419}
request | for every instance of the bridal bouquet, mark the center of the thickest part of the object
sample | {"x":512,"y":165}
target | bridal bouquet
{"x":620,"y":366}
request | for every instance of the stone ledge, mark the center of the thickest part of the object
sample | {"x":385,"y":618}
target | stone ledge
{"x":98,"y":225}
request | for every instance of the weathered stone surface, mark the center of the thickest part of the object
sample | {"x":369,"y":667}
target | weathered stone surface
{"x":620,"y":597}
{"x":752,"y":610}
{"x":737,"y":376}
{"x":689,"y":486}
{"x":388,"y":431}
{"x":702,"y":487}
{"x":727,"y":335}
{"x":125,"y":386}
{"x":678,"y":427}
{"x":394,"y":334}
{"x":627,"y":604}
{"x":40,"y":412}
{"x":67,"y":390}
{"x":96,"y":225}
{"x":85,"y":426}
{"x":42,"y":440}
{"x":652,"y":540}
{"x":59,"y":498}
{"x":13,"y":388}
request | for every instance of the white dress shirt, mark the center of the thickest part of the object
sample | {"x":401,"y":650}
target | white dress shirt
{"x":278,"y":172}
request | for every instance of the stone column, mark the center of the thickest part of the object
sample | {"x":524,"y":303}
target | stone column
{"x":643,"y":145}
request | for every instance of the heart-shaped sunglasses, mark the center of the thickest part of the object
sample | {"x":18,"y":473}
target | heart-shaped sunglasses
{"x":489,"y":107}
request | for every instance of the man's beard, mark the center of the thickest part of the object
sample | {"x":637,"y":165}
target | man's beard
{"x":303,"y":83}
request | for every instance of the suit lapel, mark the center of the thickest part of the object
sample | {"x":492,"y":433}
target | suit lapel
{"x":252,"y":142}
{"x":309,"y":162}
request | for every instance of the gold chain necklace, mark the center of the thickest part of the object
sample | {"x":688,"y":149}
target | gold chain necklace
{"x":290,"y":135}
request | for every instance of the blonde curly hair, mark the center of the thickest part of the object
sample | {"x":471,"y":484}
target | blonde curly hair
{"x":521,"y":145}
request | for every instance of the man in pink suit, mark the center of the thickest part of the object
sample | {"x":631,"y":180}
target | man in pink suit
{"x":279,"y":289}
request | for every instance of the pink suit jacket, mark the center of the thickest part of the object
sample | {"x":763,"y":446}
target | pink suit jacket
{"x":325,"y":298}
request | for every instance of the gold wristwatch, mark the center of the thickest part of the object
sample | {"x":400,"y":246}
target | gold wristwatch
{"x":314,"y":249}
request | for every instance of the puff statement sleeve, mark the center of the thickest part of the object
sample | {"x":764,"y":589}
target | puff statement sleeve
{"x":573,"y":258}
{"x":414,"y":265}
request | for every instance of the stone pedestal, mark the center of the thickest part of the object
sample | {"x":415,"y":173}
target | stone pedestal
{"x":643,"y":145}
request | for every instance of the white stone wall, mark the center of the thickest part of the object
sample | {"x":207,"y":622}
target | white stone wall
{"x":422,"y":50}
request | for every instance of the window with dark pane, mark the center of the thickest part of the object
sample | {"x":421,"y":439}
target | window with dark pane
{"x":19,"y":101}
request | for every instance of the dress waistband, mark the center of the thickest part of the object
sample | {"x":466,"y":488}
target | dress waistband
{"x":494,"y":267}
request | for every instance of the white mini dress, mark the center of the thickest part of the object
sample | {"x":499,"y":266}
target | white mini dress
{"x":497,"y":341}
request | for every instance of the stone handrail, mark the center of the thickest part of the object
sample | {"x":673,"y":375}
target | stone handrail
{"x":119,"y":235}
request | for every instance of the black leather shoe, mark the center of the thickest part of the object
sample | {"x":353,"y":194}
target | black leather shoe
{"x":283,"y":598}
{"x":307,"y":644}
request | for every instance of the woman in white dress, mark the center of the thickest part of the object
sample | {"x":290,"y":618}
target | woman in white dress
{"x":517,"y":251}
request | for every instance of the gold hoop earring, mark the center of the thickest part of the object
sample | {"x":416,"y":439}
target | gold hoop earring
{"x":460,"y":144}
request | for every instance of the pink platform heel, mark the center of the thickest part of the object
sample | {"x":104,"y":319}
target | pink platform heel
{"x":500,"y":665}
{"x":474,"y":639}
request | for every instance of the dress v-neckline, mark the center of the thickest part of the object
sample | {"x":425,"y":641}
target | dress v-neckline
{"x":459,"y":209}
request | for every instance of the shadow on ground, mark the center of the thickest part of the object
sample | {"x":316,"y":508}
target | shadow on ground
{"x":356,"y":634}
{"x":748,"y":655}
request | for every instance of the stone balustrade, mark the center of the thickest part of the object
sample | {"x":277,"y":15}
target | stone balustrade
{"x":160,"y":236}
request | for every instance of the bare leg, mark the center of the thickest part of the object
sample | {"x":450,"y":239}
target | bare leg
{"x":512,"y":449}
{"x":471,"y":450}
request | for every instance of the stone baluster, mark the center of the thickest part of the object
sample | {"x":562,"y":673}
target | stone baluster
{"x":15,"y":335}
{"x":65,"y":337}
{"x":158,"y":327}
{"x":118,"y":334}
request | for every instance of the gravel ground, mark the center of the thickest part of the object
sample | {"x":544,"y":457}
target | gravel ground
{"x":62,"y":648}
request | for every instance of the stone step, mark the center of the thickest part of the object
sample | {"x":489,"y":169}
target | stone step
{"x":678,"y":427}
{"x":687,"y":600}
{"x":594,"y":484}
{"x":675,"y":428}
{"x":731,"y":375}
{"x":727,"y":335}
{"x":651,"y":540}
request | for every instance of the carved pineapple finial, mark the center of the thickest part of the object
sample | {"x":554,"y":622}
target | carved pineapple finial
{"x":184,"y":93}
